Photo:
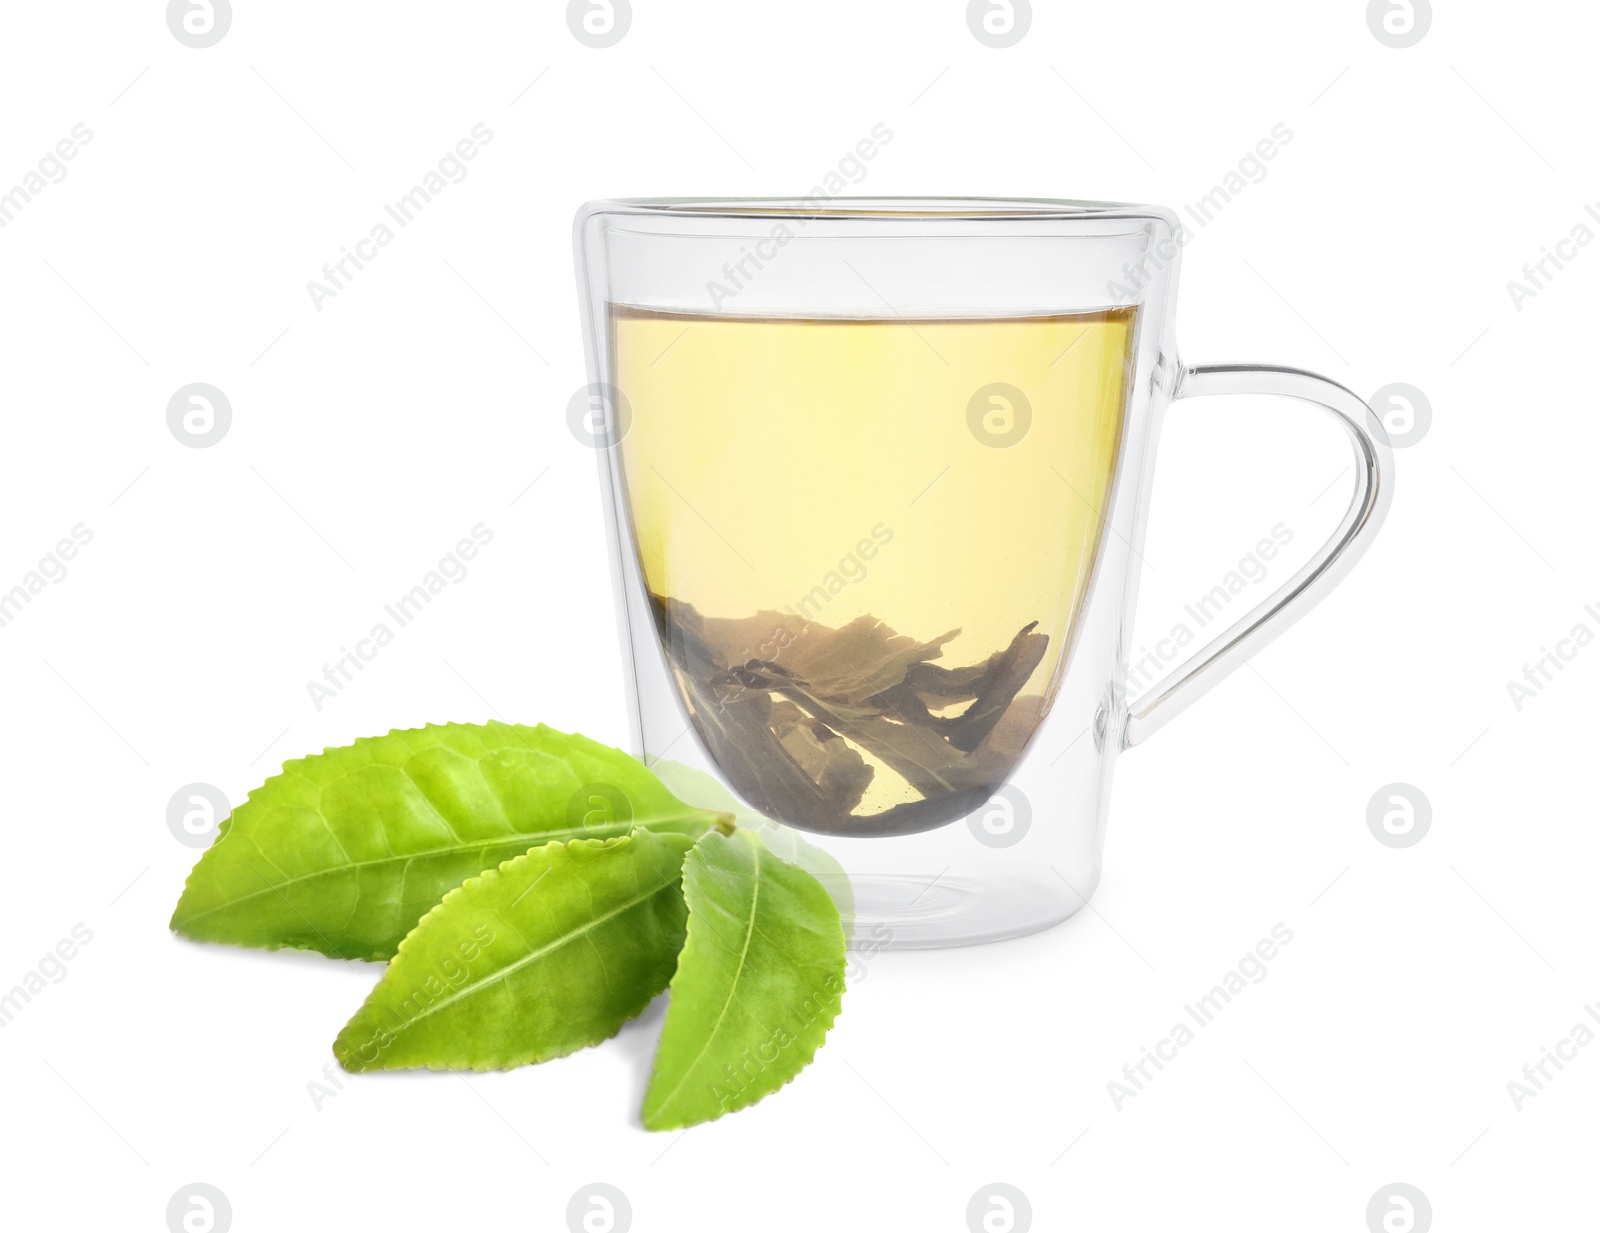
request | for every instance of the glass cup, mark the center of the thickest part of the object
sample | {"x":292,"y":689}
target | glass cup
{"x":876,"y":475}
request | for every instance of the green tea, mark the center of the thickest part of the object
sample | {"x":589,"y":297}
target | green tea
{"x":867,"y":542}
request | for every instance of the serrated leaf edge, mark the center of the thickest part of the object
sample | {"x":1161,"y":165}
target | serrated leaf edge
{"x":657,"y":1125}
{"x":718,"y":819}
{"x":488,"y":875}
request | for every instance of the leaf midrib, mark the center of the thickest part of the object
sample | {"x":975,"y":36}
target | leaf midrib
{"x":733,"y":987}
{"x":557,"y":836}
{"x":572,"y":935}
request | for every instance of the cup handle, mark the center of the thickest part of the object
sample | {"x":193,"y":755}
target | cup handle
{"x":1292,"y":600}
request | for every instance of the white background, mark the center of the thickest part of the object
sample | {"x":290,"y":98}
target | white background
{"x":426,"y":397}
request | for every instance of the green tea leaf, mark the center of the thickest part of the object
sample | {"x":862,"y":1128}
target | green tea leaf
{"x":784,"y":842}
{"x":550,"y":953}
{"x":758,"y":984}
{"x":345,"y":850}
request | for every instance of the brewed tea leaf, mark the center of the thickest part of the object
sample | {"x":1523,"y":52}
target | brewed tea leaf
{"x":734,"y":720}
{"x":345,"y":850}
{"x":864,"y":658}
{"x":1007,"y":672}
{"x":990,"y":686}
{"x":548,"y":954}
{"x":837,"y":769}
{"x":792,"y":731}
{"x":748,"y":750}
{"x":758,"y":984}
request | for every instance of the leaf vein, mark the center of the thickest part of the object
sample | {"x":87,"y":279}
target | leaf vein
{"x":733,"y":987}
{"x":570,"y":936}
{"x":533,"y":838}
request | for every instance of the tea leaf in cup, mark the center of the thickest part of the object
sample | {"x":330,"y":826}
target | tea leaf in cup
{"x":791,"y":711}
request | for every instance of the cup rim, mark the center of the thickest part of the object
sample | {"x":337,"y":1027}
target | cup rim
{"x":899,"y":208}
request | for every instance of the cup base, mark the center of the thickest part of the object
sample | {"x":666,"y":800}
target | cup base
{"x":912,"y":913}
